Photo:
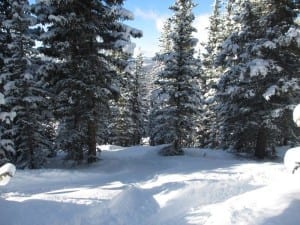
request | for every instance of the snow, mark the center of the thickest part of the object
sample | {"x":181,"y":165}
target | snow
{"x":2,"y":99}
{"x":7,"y":171}
{"x":57,"y":19}
{"x":123,"y":13}
{"x":296,"y":115}
{"x":134,"y":186}
{"x":293,"y":34}
{"x":292,"y":159}
{"x":271,"y":91}
{"x":7,"y":116}
{"x":259,"y":67}
{"x":269,"y":45}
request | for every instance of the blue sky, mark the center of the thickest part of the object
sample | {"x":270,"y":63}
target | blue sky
{"x":150,"y":16}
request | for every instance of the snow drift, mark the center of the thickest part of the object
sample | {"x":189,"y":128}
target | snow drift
{"x":135,"y":186}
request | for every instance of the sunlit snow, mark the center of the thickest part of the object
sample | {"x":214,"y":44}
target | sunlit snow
{"x":136,"y":186}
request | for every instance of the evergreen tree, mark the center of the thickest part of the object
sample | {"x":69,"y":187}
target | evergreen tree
{"x":178,"y":92}
{"x":260,"y":84}
{"x":23,"y":87}
{"x":121,"y":128}
{"x":165,"y":39}
{"x":139,"y":102}
{"x":210,"y":75}
{"x":129,"y":118}
{"x":82,"y":38}
{"x":232,"y":17}
{"x":7,"y":150}
{"x":158,"y":125}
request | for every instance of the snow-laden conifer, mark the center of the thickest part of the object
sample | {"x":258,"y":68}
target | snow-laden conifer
{"x":173,"y":121}
{"x":208,"y":128}
{"x":23,"y":87}
{"x":129,"y":113}
{"x":83,"y":39}
{"x":261,"y":83}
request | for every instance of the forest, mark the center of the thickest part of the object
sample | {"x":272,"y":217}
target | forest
{"x":70,"y":82}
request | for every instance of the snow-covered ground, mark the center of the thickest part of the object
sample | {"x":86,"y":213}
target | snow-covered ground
{"x":135,"y":186}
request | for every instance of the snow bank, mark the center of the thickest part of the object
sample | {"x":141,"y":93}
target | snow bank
{"x":292,"y":159}
{"x":296,"y":115}
{"x":134,"y":186}
{"x":7,"y":171}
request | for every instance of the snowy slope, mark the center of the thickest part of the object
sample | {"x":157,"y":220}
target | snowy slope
{"x":135,"y":186}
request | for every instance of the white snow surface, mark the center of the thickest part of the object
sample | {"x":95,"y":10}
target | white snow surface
{"x":292,"y":159}
{"x":7,"y":171}
{"x":270,"y":92}
{"x":296,"y":115}
{"x":136,"y":186}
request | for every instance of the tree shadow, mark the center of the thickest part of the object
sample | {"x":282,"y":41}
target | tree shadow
{"x":37,"y":212}
{"x":129,"y":176}
{"x":290,"y":216}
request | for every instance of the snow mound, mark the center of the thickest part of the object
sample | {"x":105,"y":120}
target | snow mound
{"x":133,"y":204}
{"x":296,"y":115}
{"x":7,"y":171}
{"x":292,"y":159}
{"x":110,"y":147}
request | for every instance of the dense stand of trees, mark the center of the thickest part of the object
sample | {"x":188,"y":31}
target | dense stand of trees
{"x":80,"y":85}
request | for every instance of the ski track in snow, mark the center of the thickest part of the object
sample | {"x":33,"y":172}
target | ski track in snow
{"x":135,"y":186}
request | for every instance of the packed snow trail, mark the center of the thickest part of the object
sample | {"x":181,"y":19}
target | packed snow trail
{"x":135,"y":186}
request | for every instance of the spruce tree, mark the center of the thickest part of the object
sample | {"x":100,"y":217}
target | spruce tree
{"x":7,"y":150}
{"x":158,"y":125}
{"x":210,"y":75}
{"x":121,"y":127}
{"x":82,"y":39}
{"x":178,"y":92}
{"x":23,"y":87}
{"x":129,"y":117}
{"x":260,"y":84}
{"x":138,"y":100}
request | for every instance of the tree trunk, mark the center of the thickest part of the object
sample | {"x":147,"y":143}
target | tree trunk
{"x":77,"y":149}
{"x":261,"y":143}
{"x":91,"y":142}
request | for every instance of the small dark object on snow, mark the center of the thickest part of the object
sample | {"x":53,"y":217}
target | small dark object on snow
{"x":296,"y":167}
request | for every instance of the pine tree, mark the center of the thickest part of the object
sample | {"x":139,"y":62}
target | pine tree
{"x":158,"y":125}
{"x":232,"y":17}
{"x":260,"y":84}
{"x":178,"y":92}
{"x":7,"y":150}
{"x":129,"y":113}
{"x":139,"y":103}
{"x":121,"y":127}
{"x":82,"y":38}
{"x":23,"y":87}
{"x":210,"y":75}
{"x":283,"y":91}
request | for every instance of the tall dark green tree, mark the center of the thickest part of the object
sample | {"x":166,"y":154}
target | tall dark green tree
{"x":158,"y":125}
{"x":129,"y":117}
{"x":260,"y":85}
{"x":138,"y":100}
{"x":178,"y":90}
{"x":82,"y":38}
{"x":208,"y":129}
{"x":7,"y":150}
{"x":23,"y":87}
